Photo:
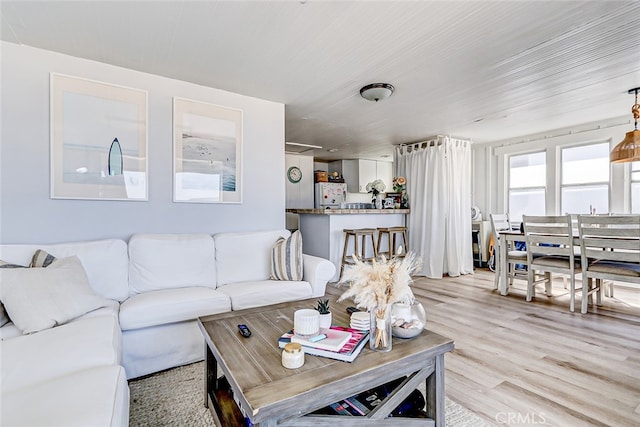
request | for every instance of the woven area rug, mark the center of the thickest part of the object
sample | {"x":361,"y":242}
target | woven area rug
{"x":176,"y":398}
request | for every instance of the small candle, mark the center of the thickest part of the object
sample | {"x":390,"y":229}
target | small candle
{"x":292,"y":356}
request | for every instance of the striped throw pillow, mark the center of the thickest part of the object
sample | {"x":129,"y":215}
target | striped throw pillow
{"x":41,"y":259}
{"x":286,"y":258}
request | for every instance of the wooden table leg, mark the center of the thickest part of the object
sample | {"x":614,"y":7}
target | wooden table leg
{"x":504,"y":267}
{"x":435,"y":392}
{"x":210,"y":375}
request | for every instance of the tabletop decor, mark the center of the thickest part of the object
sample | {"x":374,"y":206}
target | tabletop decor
{"x":376,"y":287}
{"x":400,"y":186}
{"x":325,"y":313}
{"x":407,"y":320}
{"x":376,"y":188}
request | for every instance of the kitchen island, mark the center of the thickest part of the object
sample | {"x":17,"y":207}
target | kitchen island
{"x":322,"y":229}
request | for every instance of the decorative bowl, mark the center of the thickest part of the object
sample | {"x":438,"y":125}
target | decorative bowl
{"x":408,"y":320}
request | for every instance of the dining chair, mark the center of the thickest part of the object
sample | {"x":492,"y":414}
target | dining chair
{"x":500,"y":222}
{"x":610,"y":250}
{"x":550,"y":249}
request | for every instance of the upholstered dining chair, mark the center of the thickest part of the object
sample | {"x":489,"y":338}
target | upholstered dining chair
{"x":550,"y":249}
{"x":500,"y":222}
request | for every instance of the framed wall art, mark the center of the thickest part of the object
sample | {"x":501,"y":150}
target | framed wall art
{"x":207,"y":153}
{"x":98,"y":140}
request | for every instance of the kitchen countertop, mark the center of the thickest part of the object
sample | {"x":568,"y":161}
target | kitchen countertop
{"x":349,"y":211}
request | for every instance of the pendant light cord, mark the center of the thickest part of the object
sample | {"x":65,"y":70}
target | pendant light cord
{"x":636,"y":110}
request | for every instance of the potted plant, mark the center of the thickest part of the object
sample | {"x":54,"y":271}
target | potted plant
{"x":325,"y":313}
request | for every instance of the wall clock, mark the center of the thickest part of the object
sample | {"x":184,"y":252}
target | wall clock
{"x":294,"y":174}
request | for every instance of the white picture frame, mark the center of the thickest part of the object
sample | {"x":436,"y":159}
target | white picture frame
{"x":98,"y":140}
{"x":207,"y":153}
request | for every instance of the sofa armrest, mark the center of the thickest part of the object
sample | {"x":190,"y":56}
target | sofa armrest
{"x":317,"y":271}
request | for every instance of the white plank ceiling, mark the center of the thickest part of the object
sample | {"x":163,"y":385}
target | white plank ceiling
{"x":487,"y":71}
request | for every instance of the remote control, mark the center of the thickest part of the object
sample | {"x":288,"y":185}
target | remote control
{"x":244,"y":331}
{"x":352,"y":310}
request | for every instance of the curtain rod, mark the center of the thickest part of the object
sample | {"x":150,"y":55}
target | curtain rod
{"x":433,"y":141}
{"x":434,"y":138}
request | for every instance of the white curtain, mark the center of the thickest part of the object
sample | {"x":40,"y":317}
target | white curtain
{"x":438,"y":174}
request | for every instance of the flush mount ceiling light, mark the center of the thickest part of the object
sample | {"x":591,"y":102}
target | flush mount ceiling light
{"x":629,"y":149}
{"x":377,"y":91}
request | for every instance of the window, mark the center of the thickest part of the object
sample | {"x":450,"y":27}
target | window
{"x":585,"y":179}
{"x":527,"y":185}
{"x":635,"y":187}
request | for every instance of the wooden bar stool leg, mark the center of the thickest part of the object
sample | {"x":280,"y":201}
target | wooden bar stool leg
{"x":404,"y":240}
{"x":374,"y":246}
{"x":344,"y":254}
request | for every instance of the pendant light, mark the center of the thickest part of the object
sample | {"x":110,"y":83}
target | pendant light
{"x":629,"y":149}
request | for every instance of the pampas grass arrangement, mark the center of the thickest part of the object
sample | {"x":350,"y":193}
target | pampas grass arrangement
{"x":376,"y":286}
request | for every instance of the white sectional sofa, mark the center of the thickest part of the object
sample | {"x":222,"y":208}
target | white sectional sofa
{"x":154,"y":288}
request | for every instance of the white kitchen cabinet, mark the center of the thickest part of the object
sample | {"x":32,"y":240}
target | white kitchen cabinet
{"x":359,"y":172}
{"x":384,"y":171}
{"x":299,"y":195}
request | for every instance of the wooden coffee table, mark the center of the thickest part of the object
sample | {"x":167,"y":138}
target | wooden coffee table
{"x":269,"y":394}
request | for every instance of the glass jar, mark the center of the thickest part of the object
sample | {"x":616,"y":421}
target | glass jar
{"x":292,"y":356}
{"x":380,"y":328}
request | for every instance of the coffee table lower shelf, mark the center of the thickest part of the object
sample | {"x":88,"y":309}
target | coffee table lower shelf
{"x":226,"y":413}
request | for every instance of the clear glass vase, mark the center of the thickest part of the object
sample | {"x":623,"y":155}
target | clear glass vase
{"x":408,"y":320}
{"x":378,"y":201}
{"x":380,"y":329}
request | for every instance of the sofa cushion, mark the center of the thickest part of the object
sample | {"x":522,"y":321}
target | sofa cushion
{"x":286,"y":258}
{"x":94,"y":397}
{"x":41,"y":298}
{"x":242,"y":257}
{"x":168,"y":261}
{"x":265,"y":292}
{"x":105,"y":261}
{"x":52,"y":353}
{"x":171,"y":305}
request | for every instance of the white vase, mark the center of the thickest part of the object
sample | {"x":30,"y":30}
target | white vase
{"x":325,"y":321}
{"x":378,"y":201}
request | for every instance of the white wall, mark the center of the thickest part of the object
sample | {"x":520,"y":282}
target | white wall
{"x":490,"y":169}
{"x":28,"y":215}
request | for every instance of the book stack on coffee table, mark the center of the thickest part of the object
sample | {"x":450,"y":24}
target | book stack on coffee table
{"x":341,"y":343}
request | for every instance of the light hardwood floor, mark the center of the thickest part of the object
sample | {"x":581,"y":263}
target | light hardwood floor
{"x":532,"y":364}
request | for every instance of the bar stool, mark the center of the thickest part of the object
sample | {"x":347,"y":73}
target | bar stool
{"x":359,"y":251}
{"x":391,"y":233}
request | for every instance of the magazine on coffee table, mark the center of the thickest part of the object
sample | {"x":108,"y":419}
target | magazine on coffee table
{"x":328,"y":339}
{"x":347,"y":353}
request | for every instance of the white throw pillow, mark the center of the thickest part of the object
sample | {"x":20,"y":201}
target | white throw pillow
{"x":41,"y":298}
{"x":286,"y":258}
{"x":4,"y":317}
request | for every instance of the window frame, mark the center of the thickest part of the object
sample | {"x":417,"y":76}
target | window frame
{"x":509,"y":189}
{"x":560,"y":174}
